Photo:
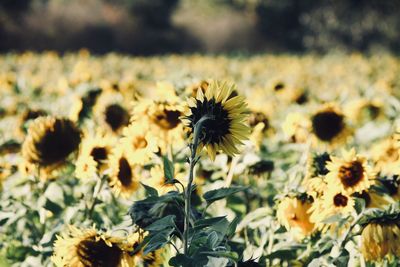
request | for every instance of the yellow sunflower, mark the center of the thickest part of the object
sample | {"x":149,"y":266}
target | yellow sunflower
{"x":225,"y":128}
{"x":295,"y":127}
{"x":94,"y":155}
{"x":329,"y":204}
{"x":380,"y":240}
{"x":350,"y":173}
{"x":139,"y":142}
{"x":292,"y":212}
{"x":158,"y":180}
{"x":89,"y":248}
{"x":386,"y":156}
{"x":125,"y":176}
{"x":49,"y":143}
{"x":162,"y":114}
{"x":329,"y":125}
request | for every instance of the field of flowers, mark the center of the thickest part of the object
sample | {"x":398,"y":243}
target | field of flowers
{"x":199,"y":160}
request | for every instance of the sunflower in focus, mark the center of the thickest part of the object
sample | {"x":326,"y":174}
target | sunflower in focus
{"x":329,"y":125}
{"x":350,"y":173}
{"x":380,"y":239}
{"x":94,"y":155}
{"x":89,"y":248}
{"x":49,"y":142}
{"x":139,"y":143}
{"x":225,"y":128}
{"x":292,"y":212}
{"x":124,"y":177}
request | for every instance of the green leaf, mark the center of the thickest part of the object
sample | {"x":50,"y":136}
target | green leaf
{"x":169,"y":171}
{"x":224,"y":254}
{"x":162,"y":224}
{"x":203,"y":223}
{"x":212,"y":240}
{"x":359,"y":205}
{"x":217,"y":194}
{"x":232,"y":227}
{"x":52,"y":206}
{"x":150,"y":191}
{"x":158,"y":240}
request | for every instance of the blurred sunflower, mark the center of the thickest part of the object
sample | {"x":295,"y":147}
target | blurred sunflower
{"x":295,"y":127}
{"x":225,"y":126}
{"x":139,"y":142}
{"x":386,"y":156}
{"x":49,"y":142}
{"x":380,"y":239}
{"x":89,"y":248}
{"x":94,"y":155}
{"x":153,"y":259}
{"x":364,"y":110}
{"x":27,"y":116}
{"x":292,"y":212}
{"x":329,"y":204}
{"x":349,"y":174}
{"x":162,"y":114}
{"x":329,"y":125}
{"x":124,"y":177}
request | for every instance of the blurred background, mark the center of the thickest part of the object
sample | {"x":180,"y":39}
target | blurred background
{"x":147,"y":27}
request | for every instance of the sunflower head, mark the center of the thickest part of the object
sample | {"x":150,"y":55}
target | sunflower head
{"x":379,"y":240}
{"x":329,"y":124}
{"x":116,"y":116}
{"x":50,"y":141}
{"x":223,"y":116}
{"x":88,"y":247}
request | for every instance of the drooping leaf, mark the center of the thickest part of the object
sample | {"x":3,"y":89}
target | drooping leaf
{"x":217,"y":194}
{"x":162,"y":224}
{"x":150,"y":191}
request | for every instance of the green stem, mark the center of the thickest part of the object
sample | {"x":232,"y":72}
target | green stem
{"x":188,"y":191}
{"x":94,"y":198}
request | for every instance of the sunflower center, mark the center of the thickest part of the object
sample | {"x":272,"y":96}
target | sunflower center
{"x":94,"y":253}
{"x":279,"y":86}
{"x":116,"y":116}
{"x":99,"y":154}
{"x":217,"y":126}
{"x":125,"y":172}
{"x":139,"y":142}
{"x":327,"y":125}
{"x":58,"y":142}
{"x":167,"y":119}
{"x":351,"y":174}
{"x":340,"y":200}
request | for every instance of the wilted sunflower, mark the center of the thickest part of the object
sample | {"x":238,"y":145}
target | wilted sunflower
{"x":89,"y":248}
{"x":380,"y":239}
{"x":124,"y":178}
{"x":139,"y":142}
{"x":50,"y":141}
{"x":292,"y":212}
{"x":349,"y":174}
{"x":94,"y":155}
{"x":225,"y":126}
{"x":329,"y":125}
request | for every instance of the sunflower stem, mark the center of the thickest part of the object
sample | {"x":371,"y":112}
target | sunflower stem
{"x":94,"y":197}
{"x":188,"y":191}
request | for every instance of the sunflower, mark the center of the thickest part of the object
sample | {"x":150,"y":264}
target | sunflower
{"x":139,"y":142}
{"x":27,"y":116}
{"x":225,"y":126}
{"x":350,"y":174}
{"x":364,"y":110}
{"x":295,"y":127}
{"x":93,"y":156}
{"x":124,"y":178}
{"x":372,"y":199}
{"x":386,"y":156}
{"x":49,"y":142}
{"x":329,"y":204}
{"x":329,"y":125}
{"x":89,"y":248}
{"x":162,"y":114}
{"x":292,"y":212}
{"x":380,"y":239}
{"x":158,"y":180}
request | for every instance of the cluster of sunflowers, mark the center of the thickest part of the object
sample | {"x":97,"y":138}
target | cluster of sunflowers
{"x":95,"y":150}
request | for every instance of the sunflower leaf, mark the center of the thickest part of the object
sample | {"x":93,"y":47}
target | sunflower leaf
{"x":162,"y":224}
{"x":150,"y":191}
{"x":217,"y":194}
{"x":168,"y":169}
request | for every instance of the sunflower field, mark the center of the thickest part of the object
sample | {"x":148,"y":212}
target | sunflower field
{"x":263,"y":160}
